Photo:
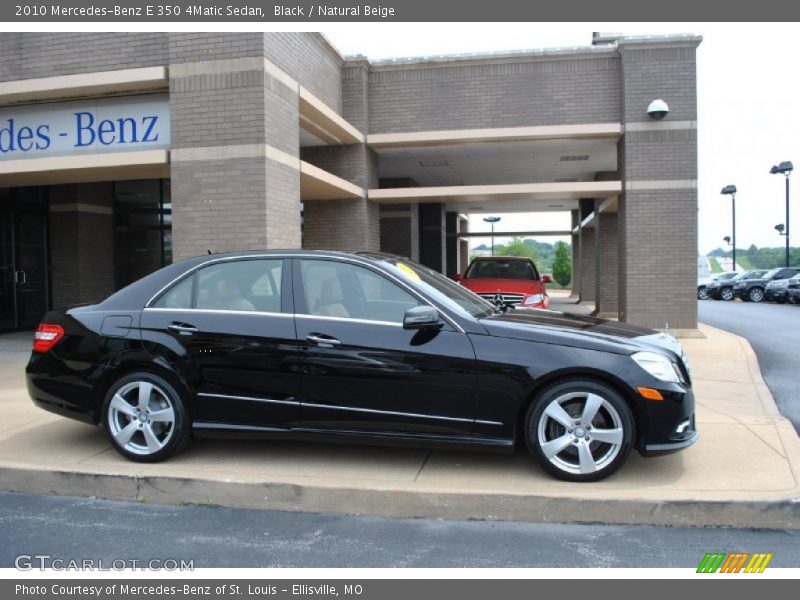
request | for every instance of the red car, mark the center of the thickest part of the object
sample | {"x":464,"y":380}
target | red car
{"x":506,"y":281}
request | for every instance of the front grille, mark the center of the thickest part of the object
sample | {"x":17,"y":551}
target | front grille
{"x":508,"y":299}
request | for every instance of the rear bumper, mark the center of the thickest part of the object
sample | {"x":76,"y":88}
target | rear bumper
{"x":54,"y":387}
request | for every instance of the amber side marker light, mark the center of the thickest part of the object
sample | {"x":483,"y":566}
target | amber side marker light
{"x":46,"y":337}
{"x":650,"y":393}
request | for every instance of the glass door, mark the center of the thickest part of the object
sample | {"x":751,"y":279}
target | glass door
{"x":24,"y":292}
{"x":8,"y":301}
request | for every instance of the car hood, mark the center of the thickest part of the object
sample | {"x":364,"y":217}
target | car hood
{"x":749,"y":281}
{"x":553,"y":327}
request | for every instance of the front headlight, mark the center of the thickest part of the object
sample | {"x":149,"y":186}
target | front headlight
{"x":534,"y":299}
{"x":659,"y":366}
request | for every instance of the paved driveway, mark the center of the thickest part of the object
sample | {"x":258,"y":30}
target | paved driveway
{"x":774,"y":332}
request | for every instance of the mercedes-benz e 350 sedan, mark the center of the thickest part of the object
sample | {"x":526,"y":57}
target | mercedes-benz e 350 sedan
{"x":368,"y":347}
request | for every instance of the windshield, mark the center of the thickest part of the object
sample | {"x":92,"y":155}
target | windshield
{"x":769,"y":274}
{"x":724,"y":276}
{"x":751,"y":275}
{"x":495,"y":268}
{"x":440,"y":288}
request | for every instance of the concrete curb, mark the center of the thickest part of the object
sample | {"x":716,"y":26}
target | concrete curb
{"x":781,"y":514}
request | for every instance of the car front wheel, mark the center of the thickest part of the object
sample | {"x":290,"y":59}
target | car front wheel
{"x":726,"y":294}
{"x":702,"y":293}
{"x":145,"y":418}
{"x":755,"y":295}
{"x":579,"y":430}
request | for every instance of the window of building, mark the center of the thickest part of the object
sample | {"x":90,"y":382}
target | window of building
{"x":142,"y":228}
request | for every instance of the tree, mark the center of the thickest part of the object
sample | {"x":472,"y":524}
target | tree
{"x":517,"y":247}
{"x":562,"y":265}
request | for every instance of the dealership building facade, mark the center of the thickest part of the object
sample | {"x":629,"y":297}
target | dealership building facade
{"x":122,"y":152}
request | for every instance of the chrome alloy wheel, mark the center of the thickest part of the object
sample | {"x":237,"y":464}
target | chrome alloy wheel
{"x":141,"y":418}
{"x":580,"y":433}
{"x":726,"y":294}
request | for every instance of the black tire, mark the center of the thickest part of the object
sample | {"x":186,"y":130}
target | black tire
{"x":151,"y":437}
{"x":702,"y":293}
{"x":755,"y":294}
{"x":542,"y":429}
{"x":725,"y":294}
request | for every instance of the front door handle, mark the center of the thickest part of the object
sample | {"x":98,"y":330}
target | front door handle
{"x":320,"y":339}
{"x":182,"y":328}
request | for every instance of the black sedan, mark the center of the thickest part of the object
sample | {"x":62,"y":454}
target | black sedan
{"x":357,"y":347}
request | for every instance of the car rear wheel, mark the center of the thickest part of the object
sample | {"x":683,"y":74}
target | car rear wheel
{"x":756,"y":294}
{"x":145,"y":418}
{"x":702,"y":293}
{"x":726,"y":294}
{"x":579,"y":430}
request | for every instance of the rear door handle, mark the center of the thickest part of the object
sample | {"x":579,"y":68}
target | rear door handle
{"x":320,"y":339}
{"x":182,"y":328}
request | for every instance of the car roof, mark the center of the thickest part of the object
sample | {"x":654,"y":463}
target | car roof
{"x":502,"y":258}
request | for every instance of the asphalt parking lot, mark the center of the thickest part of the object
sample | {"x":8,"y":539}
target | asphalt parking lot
{"x":774,"y":332}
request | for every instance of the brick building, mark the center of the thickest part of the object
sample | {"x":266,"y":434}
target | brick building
{"x":122,"y":152}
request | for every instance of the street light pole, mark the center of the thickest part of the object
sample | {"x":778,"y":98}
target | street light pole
{"x":492,"y":220}
{"x":730,"y":190}
{"x":785,"y":168}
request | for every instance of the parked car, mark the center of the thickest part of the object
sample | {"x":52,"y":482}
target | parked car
{"x":778,"y":290}
{"x":506,"y":281}
{"x":793,"y":290}
{"x":702,"y":284}
{"x":357,"y":347}
{"x":722,"y":289}
{"x":754,"y":290}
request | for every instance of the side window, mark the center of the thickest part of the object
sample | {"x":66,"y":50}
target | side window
{"x":243,"y":285}
{"x":334,"y":289}
{"x":178,"y":296}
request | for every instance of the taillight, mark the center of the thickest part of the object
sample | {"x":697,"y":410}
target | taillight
{"x":47,"y":336}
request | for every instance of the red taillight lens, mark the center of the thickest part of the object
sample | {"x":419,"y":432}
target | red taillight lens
{"x":46,"y":337}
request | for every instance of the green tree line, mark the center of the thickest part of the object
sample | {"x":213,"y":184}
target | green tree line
{"x":761,"y":258}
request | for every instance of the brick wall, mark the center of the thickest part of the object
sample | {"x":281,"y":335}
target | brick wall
{"x":33,"y":55}
{"x":514,"y":93}
{"x":609,"y":264}
{"x":587,"y":272}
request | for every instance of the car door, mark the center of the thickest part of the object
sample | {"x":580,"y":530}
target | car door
{"x":362,"y":371}
{"x":229,"y":327}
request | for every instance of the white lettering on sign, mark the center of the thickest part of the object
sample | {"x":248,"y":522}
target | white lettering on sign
{"x":94,"y":126}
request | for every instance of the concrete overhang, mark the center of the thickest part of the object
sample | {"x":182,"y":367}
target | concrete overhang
{"x":143,"y":164}
{"x":481,"y":193}
{"x":320,"y":120}
{"x":504,"y":134}
{"x":318,"y":184}
{"x":103,"y":83}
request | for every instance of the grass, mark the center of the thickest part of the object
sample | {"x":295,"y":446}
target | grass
{"x":714,"y":264}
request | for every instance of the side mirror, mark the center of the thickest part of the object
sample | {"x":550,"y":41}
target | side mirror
{"x":458,"y":277}
{"x":547,"y":279}
{"x":421,"y":317}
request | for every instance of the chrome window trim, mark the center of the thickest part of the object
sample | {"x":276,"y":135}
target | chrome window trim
{"x":220,"y":311}
{"x":249,"y":398}
{"x":348,"y":320}
{"x":361,"y":263}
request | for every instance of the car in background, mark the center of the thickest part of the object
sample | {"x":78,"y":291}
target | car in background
{"x":702,"y":284}
{"x":754,"y":290}
{"x":722,"y":289}
{"x":793,"y":290}
{"x":319,"y":345}
{"x":506,"y":281}
{"x":778,"y":290}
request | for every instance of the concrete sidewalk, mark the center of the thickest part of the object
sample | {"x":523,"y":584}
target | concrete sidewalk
{"x":743,"y":472}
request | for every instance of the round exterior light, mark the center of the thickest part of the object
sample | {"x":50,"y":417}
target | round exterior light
{"x":658,"y":109}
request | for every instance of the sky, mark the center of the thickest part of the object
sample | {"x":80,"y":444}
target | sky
{"x":748,"y":81}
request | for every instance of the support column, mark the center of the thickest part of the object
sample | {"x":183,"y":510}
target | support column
{"x":451,"y":245}
{"x":587,"y":270}
{"x":576,"y":255}
{"x":463,"y":246}
{"x":235,"y":168}
{"x":81,"y":242}
{"x":432,"y":236}
{"x":607,"y":302}
{"x":400,"y":230}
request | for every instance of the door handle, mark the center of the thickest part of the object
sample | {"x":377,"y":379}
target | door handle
{"x":20,"y":277}
{"x":182,"y":328}
{"x":320,"y":339}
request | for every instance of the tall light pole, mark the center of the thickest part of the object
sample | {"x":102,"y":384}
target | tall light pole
{"x":785,"y":168}
{"x":730,"y":190}
{"x":492,"y":220}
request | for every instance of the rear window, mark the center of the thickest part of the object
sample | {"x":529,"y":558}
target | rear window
{"x":502,"y":269}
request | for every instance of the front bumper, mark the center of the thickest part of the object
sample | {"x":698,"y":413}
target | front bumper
{"x":775,"y":294}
